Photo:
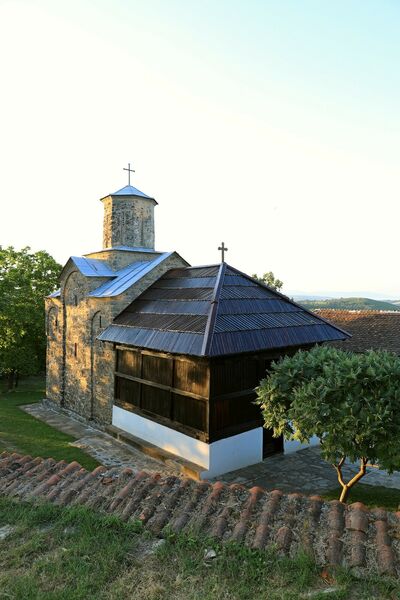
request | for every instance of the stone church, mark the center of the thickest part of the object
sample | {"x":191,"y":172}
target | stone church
{"x":141,"y":342}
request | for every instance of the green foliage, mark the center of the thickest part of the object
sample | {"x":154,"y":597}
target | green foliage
{"x":349,"y":304}
{"x":350,"y":401}
{"x":270,"y":280}
{"x":25,"y":279}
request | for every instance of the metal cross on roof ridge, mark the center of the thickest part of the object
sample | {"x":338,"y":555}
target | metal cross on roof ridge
{"x":129,"y":172}
{"x":223,"y":250}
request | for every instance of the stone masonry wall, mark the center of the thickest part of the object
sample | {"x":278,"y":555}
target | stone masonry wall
{"x":54,"y":356}
{"x":128,"y":221}
{"x":104,"y":356}
{"x":80,"y":369}
{"x":76,"y":389}
{"x":118,"y":259}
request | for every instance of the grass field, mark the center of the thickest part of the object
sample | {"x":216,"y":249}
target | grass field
{"x":20,"y":432}
{"x":51,"y":553}
{"x":77,"y":554}
{"x":370,"y":495}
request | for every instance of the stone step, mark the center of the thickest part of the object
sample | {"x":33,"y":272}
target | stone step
{"x":185,"y":467}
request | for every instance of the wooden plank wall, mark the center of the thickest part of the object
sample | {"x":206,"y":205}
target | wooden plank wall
{"x":173,"y":390}
{"x":209,"y":399}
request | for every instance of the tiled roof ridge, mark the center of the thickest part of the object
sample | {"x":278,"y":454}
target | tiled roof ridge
{"x":335,"y":533}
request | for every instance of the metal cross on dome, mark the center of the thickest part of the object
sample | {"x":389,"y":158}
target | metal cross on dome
{"x":223,"y":250}
{"x":129,"y":172}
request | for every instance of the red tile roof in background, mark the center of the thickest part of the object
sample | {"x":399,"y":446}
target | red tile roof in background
{"x":371,"y":330}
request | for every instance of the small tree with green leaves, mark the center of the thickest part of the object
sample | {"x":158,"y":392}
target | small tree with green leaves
{"x":351,"y":402}
{"x":270,"y":280}
{"x":25,"y":279}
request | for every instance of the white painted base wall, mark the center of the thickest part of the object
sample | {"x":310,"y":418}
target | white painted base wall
{"x":290,"y":446}
{"x":235,"y":452}
{"x":217,"y":458}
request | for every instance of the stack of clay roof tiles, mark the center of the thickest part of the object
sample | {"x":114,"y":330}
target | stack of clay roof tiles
{"x":370,"y":329}
{"x":335,"y":534}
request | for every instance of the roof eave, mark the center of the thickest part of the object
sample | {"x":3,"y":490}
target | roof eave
{"x":144,"y":197}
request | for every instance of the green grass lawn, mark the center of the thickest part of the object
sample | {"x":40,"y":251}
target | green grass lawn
{"x":370,"y":495}
{"x":77,"y":554}
{"x":20,"y":432}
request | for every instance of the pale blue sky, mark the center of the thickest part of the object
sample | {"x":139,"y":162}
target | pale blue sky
{"x":271,"y":125}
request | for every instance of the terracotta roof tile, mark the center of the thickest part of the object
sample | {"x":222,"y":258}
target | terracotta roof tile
{"x":336,"y":534}
{"x":371,"y":329}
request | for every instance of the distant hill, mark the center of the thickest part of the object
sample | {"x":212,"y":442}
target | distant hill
{"x":350,"y":304}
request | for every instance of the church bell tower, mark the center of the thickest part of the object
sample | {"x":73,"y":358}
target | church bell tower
{"x":128,"y":218}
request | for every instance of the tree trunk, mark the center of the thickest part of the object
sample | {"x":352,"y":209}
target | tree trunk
{"x":346,"y":487}
{"x":11,"y":380}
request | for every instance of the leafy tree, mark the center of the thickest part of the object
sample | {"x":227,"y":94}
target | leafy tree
{"x":350,"y":401}
{"x":270,"y":280}
{"x":25,"y":279}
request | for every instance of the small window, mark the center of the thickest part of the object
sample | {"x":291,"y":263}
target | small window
{"x":100,"y":321}
{"x":76,"y":300}
{"x":75,"y":350}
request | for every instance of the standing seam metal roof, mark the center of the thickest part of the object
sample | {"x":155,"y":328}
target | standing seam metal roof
{"x":117,"y":281}
{"x":129,"y":190}
{"x":126,"y":277}
{"x":92,"y":267}
{"x":233,"y":313}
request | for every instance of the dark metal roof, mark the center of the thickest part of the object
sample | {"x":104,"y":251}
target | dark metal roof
{"x":213,"y":311}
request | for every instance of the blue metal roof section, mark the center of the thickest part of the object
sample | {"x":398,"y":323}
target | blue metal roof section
{"x":126,"y":277}
{"x":129,"y":190}
{"x":92,"y":267}
{"x":214,"y":311}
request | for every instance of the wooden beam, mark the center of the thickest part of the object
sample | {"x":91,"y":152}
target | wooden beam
{"x":167,"y":388}
{"x":175,"y":425}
